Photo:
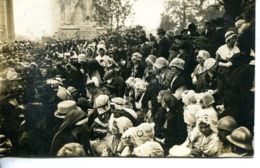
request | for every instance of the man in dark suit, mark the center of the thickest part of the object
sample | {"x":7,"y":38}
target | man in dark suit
{"x":164,"y":44}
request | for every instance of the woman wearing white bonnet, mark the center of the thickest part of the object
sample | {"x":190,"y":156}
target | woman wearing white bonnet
{"x":206,"y":103}
{"x":202,"y":56}
{"x":149,"y":149}
{"x":134,"y":137}
{"x":140,"y":91}
{"x":208,"y":80}
{"x":102,"y":58}
{"x":224,"y":54}
{"x":117,"y":126}
{"x":206,"y":142}
{"x":190,"y":109}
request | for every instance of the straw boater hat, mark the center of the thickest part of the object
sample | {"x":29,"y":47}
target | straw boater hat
{"x":64,"y":107}
{"x":242,"y":138}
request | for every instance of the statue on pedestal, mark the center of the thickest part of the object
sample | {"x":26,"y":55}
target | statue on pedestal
{"x":69,"y":9}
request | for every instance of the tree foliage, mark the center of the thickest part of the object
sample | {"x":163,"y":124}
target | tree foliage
{"x":113,"y":13}
{"x":179,"y":12}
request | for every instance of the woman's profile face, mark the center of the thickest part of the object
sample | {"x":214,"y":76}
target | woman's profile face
{"x":200,"y":60}
{"x":159,"y":98}
{"x":205,"y":129}
{"x":232,"y":41}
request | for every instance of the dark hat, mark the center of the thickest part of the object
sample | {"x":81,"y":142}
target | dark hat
{"x":242,"y":138}
{"x":83,"y":103}
{"x":160,"y":31}
{"x":184,"y":45}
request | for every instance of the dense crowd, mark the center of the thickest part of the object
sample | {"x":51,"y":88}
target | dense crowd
{"x":127,"y":93}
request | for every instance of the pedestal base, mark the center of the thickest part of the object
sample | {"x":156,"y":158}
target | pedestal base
{"x":79,"y":32}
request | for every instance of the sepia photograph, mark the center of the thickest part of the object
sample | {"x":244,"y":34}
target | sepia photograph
{"x":127,"y":79}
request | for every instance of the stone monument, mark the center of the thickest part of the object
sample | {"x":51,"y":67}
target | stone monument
{"x":77,"y":20}
{"x":6,"y":20}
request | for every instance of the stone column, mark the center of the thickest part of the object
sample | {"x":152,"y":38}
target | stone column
{"x":6,"y":20}
{"x":10,"y":20}
{"x":2,"y":20}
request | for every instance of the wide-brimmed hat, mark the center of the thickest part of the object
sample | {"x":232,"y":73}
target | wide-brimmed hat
{"x":227,"y":123}
{"x":178,"y":63}
{"x":64,"y":107}
{"x":242,"y":138}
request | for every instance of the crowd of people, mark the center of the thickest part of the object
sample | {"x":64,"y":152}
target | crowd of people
{"x":130,"y":94}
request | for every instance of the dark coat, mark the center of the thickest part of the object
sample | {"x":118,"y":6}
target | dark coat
{"x":175,"y":132}
{"x":160,"y":119}
{"x":68,"y":137}
{"x":117,"y":86}
{"x":238,"y":98}
{"x":68,"y":132}
{"x":139,"y":71}
{"x":163,"y":48}
{"x":205,"y":82}
{"x":182,"y":80}
{"x":152,"y":91}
